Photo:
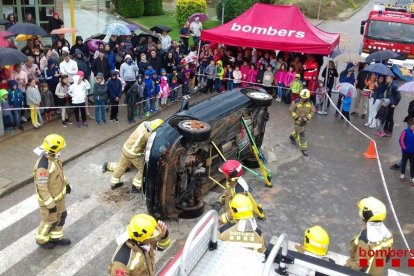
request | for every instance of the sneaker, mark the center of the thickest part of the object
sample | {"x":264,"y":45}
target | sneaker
{"x":117,"y":185}
{"x":372,"y":126}
{"x":277,"y":99}
{"x":64,"y":124}
{"x":366,"y":124}
{"x":412,"y":182}
{"x":130,"y":122}
{"x":363,"y":116}
{"x":8,"y":130}
{"x":48,"y":245}
{"x":69,"y":122}
{"x":378,"y":133}
{"x":382,"y":134}
{"x":116,"y":120}
{"x":147,"y":113}
{"x":23,"y":119}
{"x":85,"y":124}
{"x":395,"y":167}
{"x":320,"y":113}
{"x":104,"y":121}
{"x":354,"y":113}
{"x":388,"y":134}
{"x":78,"y":125}
{"x":98,"y":123}
{"x":62,"y":242}
{"x":402,"y":176}
{"x":324,"y":112}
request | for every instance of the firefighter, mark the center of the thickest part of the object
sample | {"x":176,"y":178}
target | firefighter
{"x":235,"y":184}
{"x":135,"y":255}
{"x":302,"y":111}
{"x":51,"y":189}
{"x":132,"y":154}
{"x":374,"y":238}
{"x":243,"y":231}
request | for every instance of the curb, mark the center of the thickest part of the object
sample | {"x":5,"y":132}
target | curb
{"x":354,"y":11}
{"x":13,"y":186}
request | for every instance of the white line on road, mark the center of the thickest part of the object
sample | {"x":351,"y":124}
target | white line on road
{"x":26,"y":245}
{"x":85,"y":250}
{"x":18,"y":211}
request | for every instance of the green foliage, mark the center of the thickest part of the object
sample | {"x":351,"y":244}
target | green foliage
{"x":185,"y":8}
{"x":234,"y":8}
{"x":153,"y":7}
{"x":130,"y":8}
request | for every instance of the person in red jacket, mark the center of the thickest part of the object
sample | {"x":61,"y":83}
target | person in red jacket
{"x":310,"y":69}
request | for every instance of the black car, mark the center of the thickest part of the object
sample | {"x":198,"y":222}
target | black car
{"x":180,"y":158}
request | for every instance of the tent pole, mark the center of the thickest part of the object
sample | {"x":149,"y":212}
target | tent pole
{"x":198,"y":60}
{"x":325,"y":102}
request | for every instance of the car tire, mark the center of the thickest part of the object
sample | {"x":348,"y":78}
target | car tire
{"x":251,"y":162}
{"x":194,"y":130}
{"x":260,"y":99}
{"x":194,"y":212}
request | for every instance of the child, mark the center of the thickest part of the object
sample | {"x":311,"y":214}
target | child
{"x":229,"y":77}
{"x":33,"y":99}
{"x":47,"y":101}
{"x":296,"y":86}
{"x":174,"y":85}
{"x":237,"y":76}
{"x":312,"y":85}
{"x":156,"y":93}
{"x":260,"y":73}
{"x":381,"y":116}
{"x":346,"y":106}
{"x":52,"y":74}
{"x":219,"y":76}
{"x":16,"y":100}
{"x":139,"y":86}
{"x":114,"y":90}
{"x":100,"y":96}
{"x":268,"y":79}
{"x":320,"y":98}
{"x":165,"y":91}
{"x":252,"y":74}
{"x":187,"y":75}
{"x":7,"y":115}
{"x":280,"y":80}
{"x":407,"y":148}
{"x":244,"y":71}
{"x":211,"y":72}
{"x":62,"y":98}
{"x":148,"y":91}
{"x":78,"y":93}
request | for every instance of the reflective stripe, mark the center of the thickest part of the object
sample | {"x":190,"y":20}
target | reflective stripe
{"x":317,"y":244}
{"x":164,"y":244}
{"x":135,"y":261}
{"x":224,"y":218}
{"x":137,"y":183}
{"x":44,"y":229}
{"x":115,"y":180}
{"x":49,"y":201}
{"x":56,"y":234}
{"x":42,"y":238}
{"x":252,"y":245}
{"x":52,"y":167}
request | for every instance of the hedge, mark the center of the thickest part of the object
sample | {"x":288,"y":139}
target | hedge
{"x":153,"y":7}
{"x":130,"y":8}
{"x":234,"y":8}
{"x":185,"y":8}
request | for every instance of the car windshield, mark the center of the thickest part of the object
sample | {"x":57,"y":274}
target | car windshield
{"x":391,"y":31}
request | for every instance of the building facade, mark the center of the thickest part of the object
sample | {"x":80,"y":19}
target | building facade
{"x":41,"y":10}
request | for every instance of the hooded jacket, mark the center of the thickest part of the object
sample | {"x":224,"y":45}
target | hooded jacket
{"x":33,"y":96}
{"x":149,"y":86}
{"x":100,"y":91}
{"x":128,"y":72}
{"x":114,"y":88}
{"x":69,"y":68}
{"x":50,"y":73}
{"x":16,"y":98}
{"x":81,"y":47}
{"x":83,"y":63}
{"x":78,"y":91}
{"x":343,"y":77}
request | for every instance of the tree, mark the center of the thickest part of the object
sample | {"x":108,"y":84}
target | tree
{"x":234,"y":8}
{"x":185,"y":8}
{"x":153,"y":7}
{"x":130,"y":8}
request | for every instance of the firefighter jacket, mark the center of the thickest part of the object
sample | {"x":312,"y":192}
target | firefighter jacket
{"x":311,"y":69}
{"x":135,"y":145}
{"x":359,"y":248}
{"x":49,"y":181}
{"x":132,"y":259}
{"x":299,"y":109}
{"x":248,"y":239}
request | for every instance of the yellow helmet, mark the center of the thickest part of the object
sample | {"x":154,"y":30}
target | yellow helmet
{"x":143,"y":227}
{"x":241,"y":207}
{"x":305,"y":94}
{"x":316,"y":240}
{"x":372,"y":209}
{"x":53,"y":143}
{"x":156,"y":123}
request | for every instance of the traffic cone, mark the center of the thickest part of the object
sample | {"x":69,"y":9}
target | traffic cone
{"x":370,"y":153}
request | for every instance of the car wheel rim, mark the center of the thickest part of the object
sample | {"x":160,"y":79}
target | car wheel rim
{"x":194,"y":125}
{"x":259,"y":95}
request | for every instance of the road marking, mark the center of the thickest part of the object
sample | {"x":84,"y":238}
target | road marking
{"x":17,"y":212}
{"x":26,"y":245}
{"x":85,"y":250}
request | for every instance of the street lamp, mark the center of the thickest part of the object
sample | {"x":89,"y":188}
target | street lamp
{"x":223,"y":6}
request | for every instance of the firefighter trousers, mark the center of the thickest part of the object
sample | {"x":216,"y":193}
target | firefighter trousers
{"x":51,"y":224}
{"x":119,"y":169}
{"x":299,"y":135}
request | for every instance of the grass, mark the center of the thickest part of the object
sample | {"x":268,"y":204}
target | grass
{"x":168,"y":19}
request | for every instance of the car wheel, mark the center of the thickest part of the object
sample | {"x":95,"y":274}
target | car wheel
{"x":194,"y":131}
{"x":251,"y":162}
{"x":260,"y":98}
{"x":193,"y":212}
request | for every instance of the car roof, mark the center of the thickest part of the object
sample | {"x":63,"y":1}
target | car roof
{"x":216,"y":107}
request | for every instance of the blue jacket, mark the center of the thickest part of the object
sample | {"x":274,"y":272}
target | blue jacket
{"x":149,"y":87}
{"x":407,"y":141}
{"x":50,"y":76}
{"x":16,"y":97}
{"x":393,"y":94}
{"x":110,"y":56}
{"x":157,"y":87}
{"x":343,"y":77}
{"x":114,"y":88}
{"x":346,"y":104}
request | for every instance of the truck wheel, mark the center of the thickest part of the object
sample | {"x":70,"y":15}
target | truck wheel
{"x":251,"y":162}
{"x":260,"y":98}
{"x":192,"y":212}
{"x":194,"y":131}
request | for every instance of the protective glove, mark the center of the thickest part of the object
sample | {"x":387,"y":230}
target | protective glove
{"x":68,"y":189}
{"x":52,"y":210}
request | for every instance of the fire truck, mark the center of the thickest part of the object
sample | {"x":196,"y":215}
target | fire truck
{"x":389,"y":28}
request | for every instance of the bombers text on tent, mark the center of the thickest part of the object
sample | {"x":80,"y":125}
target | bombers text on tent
{"x":266,"y":31}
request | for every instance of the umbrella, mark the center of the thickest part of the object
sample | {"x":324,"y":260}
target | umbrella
{"x":154,"y":38}
{"x":349,"y":57}
{"x":64,"y":31}
{"x":381,"y":55}
{"x":160,"y":29}
{"x":23,"y":37}
{"x":6,"y":34}
{"x":402,"y":73}
{"x":407,"y":87}
{"x":10,"y":56}
{"x":203,"y":17}
{"x":132,"y":27}
{"x":346,"y":89}
{"x":4,"y":43}
{"x":27,"y":28}
{"x":4,"y":22}
{"x":379,"y":68}
{"x":117,"y":29}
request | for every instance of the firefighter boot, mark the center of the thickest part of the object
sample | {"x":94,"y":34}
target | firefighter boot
{"x":48,"y":245}
{"x":62,"y":242}
{"x":135,"y":190}
{"x":292,"y":139}
{"x":116,"y":185}
{"x":305,"y":152}
{"x":104,"y":167}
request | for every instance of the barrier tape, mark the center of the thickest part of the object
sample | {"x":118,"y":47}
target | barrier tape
{"x":384,"y":183}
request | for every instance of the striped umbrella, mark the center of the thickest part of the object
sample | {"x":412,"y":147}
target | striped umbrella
{"x":117,"y":29}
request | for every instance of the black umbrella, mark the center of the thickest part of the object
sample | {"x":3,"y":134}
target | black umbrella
{"x":27,"y":29}
{"x":379,"y":68}
{"x":154,"y":38}
{"x":160,"y":29}
{"x":381,"y":55}
{"x":4,"y":21}
{"x":10,"y":56}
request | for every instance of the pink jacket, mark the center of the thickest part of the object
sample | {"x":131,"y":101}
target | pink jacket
{"x":290,"y":77}
{"x":244,"y":70}
{"x":251,"y":75}
{"x":164,"y":87}
{"x":280,"y":76}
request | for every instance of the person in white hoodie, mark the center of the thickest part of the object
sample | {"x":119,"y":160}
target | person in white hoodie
{"x":68,"y":67}
{"x":78,"y":93}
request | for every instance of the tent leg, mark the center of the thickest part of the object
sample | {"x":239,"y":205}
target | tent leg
{"x":325,"y":102}
{"x":198,"y":60}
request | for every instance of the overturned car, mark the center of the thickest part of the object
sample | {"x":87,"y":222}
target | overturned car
{"x":180,"y":158}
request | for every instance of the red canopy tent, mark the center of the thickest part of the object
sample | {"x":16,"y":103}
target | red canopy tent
{"x":274,"y":27}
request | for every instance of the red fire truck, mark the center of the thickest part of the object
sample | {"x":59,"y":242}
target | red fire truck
{"x":389,"y":28}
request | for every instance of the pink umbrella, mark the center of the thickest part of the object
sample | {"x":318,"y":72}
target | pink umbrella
{"x":64,"y":31}
{"x":5,"y":34}
{"x":202,"y":16}
{"x":4,"y":43}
